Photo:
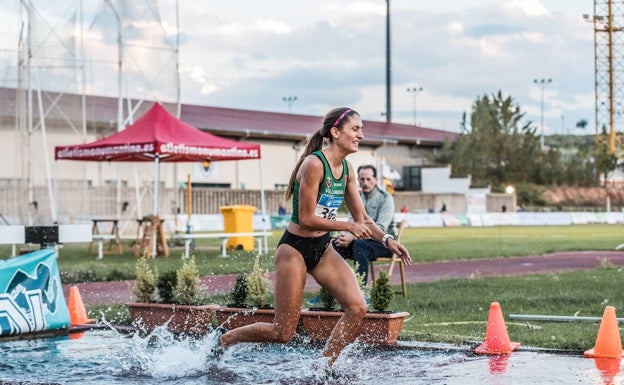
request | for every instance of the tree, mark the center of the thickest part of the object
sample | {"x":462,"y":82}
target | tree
{"x":497,"y":148}
{"x":582,"y":124}
{"x":606,"y":160}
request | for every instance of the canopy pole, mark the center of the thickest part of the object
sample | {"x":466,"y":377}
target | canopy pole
{"x":53,"y":210}
{"x":137,"y":187}
{"x":263,"y":208}
{"x":156,"y":197}
{"x":189,"y":202}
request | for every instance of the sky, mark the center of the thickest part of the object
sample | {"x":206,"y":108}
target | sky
{"x":261,"y":55}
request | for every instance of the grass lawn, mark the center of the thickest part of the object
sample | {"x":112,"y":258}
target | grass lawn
{"x":457,"y":310}
{"x":424,"y":244}
{"x":451,"y":243}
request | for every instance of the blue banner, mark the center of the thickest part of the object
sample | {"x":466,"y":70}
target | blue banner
{"x":31,"y":295}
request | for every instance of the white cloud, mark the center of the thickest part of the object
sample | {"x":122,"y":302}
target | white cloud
{"x":454,"y":28}
{"x":528,"y":7}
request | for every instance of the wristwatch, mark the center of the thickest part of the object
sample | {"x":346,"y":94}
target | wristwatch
{"x":385,"y":238}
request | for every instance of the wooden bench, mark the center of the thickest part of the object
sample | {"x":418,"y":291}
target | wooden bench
{"x":260,"y":236}
{"x":99,"y":239}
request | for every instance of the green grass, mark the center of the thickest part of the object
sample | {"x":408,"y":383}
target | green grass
{"x":457,"y":310}
{"x":424,"y":244}
{"x":452,"y":243}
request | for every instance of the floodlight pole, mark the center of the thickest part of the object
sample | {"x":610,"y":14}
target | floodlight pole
{"x":542,"y":83}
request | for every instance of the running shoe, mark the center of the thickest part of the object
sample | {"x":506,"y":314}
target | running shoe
{"x":217,"y":349}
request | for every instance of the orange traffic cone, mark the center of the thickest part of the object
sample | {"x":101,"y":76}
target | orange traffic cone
{"x":496,"y":337}
{"x":608,"y":343}
{"x":77,"y":312}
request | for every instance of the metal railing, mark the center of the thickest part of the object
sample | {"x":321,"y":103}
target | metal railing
{"x":77,"y":202}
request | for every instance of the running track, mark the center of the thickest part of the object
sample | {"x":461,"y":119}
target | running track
{"x":102,"y":293}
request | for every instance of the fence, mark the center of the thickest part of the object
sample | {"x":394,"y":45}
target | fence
{"x":77,"y":201}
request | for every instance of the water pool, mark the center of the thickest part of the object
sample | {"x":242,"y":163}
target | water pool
{"x":106,"y":357}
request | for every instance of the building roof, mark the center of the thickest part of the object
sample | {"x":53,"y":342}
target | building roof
{"x":101,"y":112}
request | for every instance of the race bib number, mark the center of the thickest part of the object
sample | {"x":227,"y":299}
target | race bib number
{"x":327,"y":206}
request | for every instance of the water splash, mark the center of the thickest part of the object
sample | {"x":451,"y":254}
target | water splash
{"x":163,"y":355}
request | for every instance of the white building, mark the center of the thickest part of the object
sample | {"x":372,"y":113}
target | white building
{"x":28,"y":151}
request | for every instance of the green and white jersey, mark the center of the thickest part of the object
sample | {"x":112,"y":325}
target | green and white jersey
{"x":330,"y":193}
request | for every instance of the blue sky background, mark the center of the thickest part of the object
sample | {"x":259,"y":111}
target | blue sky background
{"x":251,"y":54}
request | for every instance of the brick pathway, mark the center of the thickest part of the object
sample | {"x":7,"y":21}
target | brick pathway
{"x":101,"y":293}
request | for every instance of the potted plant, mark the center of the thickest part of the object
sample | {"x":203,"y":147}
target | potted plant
{"x":378,"y":327}
{"x":254,"y":286}
{"x":239,"y":292}
{"x":382,"y":293}
{"x":178,"y":303}
{"x":382,"y":325}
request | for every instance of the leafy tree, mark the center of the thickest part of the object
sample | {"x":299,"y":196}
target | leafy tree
{"x":606,"y":160}
{"x":497,"y":148}
{"x":581,"y":124}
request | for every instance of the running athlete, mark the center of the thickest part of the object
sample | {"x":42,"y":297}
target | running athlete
{"x":321,"y":180}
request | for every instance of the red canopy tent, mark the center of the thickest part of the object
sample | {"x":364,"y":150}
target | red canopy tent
{"x":158,"y":136}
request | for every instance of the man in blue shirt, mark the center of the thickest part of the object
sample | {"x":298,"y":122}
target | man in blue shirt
{"x":379,"y":205}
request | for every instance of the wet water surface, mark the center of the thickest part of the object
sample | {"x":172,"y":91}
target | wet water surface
{"x":107,"y":357}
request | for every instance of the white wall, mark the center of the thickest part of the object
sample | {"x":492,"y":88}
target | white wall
{"x":437,"y":180}
{"x":278,"y":160}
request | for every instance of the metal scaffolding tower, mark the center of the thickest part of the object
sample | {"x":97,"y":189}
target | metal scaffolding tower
{"x":608,"y":23}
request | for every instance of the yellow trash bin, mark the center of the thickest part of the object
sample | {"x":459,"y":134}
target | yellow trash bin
{"x":238,"y":219}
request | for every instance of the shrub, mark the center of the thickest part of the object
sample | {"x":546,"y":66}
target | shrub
{"x":144,"y":289}
{"x":530,"y":195}
{"x":187,"y":291}
{"x":166,"y":284}
{"x":258,"y":285}
{"x":328,"y":301}
{"x":239,"y":291}
{"x":382,"y":292}
{"x":360,"y":278}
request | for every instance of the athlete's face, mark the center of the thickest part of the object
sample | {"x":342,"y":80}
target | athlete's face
{"x":351,"y":133}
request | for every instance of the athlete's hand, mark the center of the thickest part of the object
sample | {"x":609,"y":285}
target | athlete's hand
{"x":344,"y":239}
{"x":360,"y":230}
{"x":400,"y":250}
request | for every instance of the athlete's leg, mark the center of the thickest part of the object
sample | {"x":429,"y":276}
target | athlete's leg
{"x":335,"y":275}
{"x":290,"y":278}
